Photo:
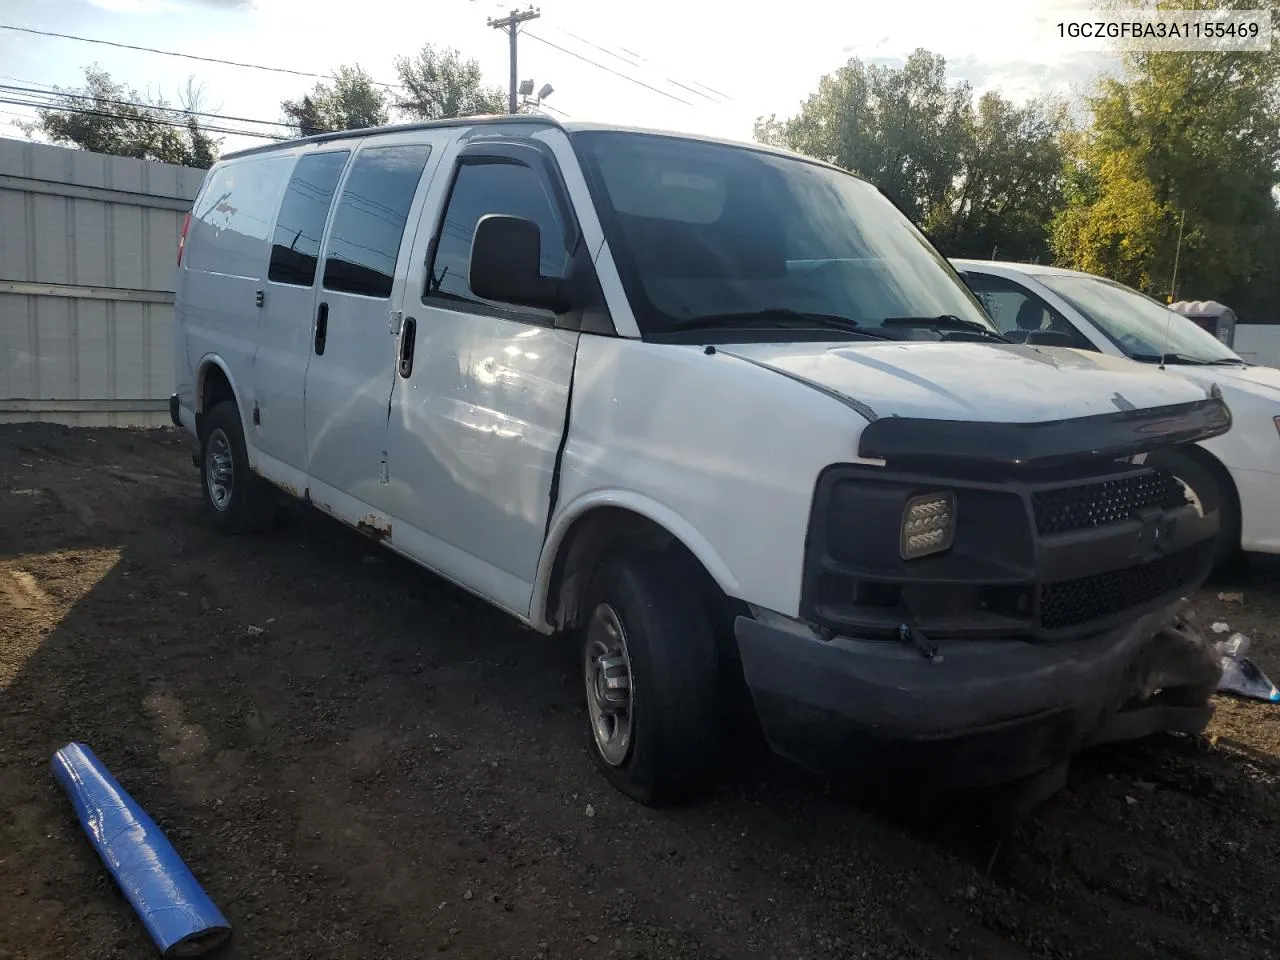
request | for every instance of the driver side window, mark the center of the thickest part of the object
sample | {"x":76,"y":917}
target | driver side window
{"x":482,"y":188}
{"x":1018,"y":312}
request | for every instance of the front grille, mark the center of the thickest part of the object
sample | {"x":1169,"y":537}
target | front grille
{"x":1073,"y":602}
{"x":1105,"y":502}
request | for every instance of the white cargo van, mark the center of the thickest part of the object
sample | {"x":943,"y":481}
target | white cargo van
{"x":716,"y":411}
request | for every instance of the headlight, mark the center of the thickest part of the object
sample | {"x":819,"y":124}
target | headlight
{"x":928,"y":525}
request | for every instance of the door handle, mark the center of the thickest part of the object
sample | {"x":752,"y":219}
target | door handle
{"x":408,"y":331}
{"x":322,"y":327}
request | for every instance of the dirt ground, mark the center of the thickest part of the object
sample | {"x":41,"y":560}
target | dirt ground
{"x":360,"y":762}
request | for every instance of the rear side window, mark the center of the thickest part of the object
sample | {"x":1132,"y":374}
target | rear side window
{"x":369,"y":224}
{"x":493,"y":187}
{"x":303,"y":212}
{"x":232,"y":217}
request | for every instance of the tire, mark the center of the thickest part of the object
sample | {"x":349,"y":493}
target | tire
{"x":1213,"y":495}
{"x":235,"y":498}
{"x":643,"y":623}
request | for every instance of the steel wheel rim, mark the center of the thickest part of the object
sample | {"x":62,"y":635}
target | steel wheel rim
{"x":607,"y":672}
{"x":220,"y":470}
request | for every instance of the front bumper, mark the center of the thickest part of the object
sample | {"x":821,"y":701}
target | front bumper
{"x":981,"y":711}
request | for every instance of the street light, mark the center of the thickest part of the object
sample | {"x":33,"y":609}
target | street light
{"x":526,"y":91}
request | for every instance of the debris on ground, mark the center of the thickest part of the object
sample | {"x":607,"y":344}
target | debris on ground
{"x":1242,"y":676}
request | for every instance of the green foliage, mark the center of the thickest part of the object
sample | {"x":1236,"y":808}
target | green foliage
{"x":1193,"y":134}
{"x":1008,"y":184}
{"x":352,"y":101}
{"x":899,"y":128}
{"x":976,"y":177}
{"x":109,"y":117}
{"x":439,"y":85}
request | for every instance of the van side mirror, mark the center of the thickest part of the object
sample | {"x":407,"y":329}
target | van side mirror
{"x":506,"y":258}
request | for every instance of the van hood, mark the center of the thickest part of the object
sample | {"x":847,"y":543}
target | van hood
{"x":1002,"y":383}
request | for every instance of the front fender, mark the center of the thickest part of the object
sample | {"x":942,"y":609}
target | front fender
{"x":665,"y":517}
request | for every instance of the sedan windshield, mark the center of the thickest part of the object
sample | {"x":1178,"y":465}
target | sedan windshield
{"x":1143,"y":328}
{"x":716,"y":237}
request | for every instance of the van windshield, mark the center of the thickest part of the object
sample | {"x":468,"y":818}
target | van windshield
{"x":1143,"y":328}
{"x":707,"y":235}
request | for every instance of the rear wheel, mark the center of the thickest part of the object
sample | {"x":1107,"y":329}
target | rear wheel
{"x":235,"y":498}
{"x":1208,"y":492}
{"x":652,"y":681}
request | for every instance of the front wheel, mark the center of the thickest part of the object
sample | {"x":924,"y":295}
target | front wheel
{"x":651,"y":674}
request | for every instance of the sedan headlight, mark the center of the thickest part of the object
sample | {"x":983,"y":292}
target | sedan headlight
{"x":928,"y":525}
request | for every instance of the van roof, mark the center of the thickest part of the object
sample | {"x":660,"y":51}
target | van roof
{"x":538,"y":121}
{"x":525,"y":120}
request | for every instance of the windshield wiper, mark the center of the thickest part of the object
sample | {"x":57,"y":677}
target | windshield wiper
{"x":1185,"y":359}
{"x":944,"y":322}
{"x":778,"y":317}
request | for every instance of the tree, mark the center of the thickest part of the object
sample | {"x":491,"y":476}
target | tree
{"x":898,"y":127}
{"x":1188,"y":134}
{"x":202,"y":149}
{"x":439,"y":85}
{"x":1009,"y":183}
{"x":109,"y":117}
{"x":352,"y":101}
{"x":975,"y":179}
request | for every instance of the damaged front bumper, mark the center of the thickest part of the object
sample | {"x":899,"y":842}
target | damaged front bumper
{"x":1046,"y":622}
{"x":978,"y":712}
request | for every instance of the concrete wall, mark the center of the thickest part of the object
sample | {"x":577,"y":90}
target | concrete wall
{"x":88,"y":247}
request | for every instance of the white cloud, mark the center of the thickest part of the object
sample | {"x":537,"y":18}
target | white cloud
{"x":136,"y":6}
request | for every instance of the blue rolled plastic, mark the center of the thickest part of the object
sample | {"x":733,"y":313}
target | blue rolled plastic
{"x":177,"y":913}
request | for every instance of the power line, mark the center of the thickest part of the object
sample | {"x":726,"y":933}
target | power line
{"x":578,"y":56}
{"x":639,"y":59}
{"x":616,"y":56}
{"x":185,"y":56}
{"x":191,"y":56}
{"x":9,"y":88}
{"x":83,"y":111}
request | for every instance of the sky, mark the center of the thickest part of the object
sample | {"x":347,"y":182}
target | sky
{"x":708,"y":67}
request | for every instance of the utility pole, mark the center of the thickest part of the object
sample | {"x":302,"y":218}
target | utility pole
{"x":510,"y":23}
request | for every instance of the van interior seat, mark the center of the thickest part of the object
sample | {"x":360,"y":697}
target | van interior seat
{"x":1030,"y":318}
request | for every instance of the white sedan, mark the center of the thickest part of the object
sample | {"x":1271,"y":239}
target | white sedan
{"x":1239,"y":472}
